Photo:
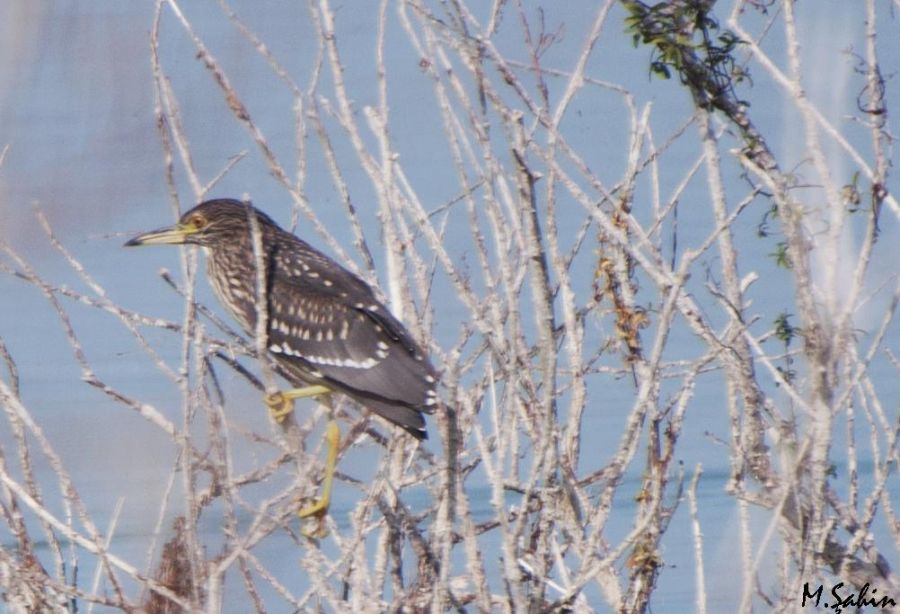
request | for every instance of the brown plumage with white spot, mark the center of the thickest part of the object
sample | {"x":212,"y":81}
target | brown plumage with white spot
{"x":325,"y":325}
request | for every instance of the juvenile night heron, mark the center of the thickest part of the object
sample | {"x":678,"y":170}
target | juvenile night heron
{"x":324,"y":324}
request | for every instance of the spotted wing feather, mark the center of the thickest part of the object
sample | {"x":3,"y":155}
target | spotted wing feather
{"x":326,"y":322}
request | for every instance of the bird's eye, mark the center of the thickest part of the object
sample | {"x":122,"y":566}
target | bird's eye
{"x":197,"y":221}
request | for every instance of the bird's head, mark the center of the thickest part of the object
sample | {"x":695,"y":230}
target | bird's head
{"x":209,"y":224}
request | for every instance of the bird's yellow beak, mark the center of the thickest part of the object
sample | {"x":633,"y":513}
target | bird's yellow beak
{"x":171,"y":235}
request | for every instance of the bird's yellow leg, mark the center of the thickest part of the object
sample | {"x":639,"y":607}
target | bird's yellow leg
{"x":320,"y":507}
{"x":281,"y":403}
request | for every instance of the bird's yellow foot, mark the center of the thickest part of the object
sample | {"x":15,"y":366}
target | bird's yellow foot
{"x":319,"y":509}
{"x":281,"y":402}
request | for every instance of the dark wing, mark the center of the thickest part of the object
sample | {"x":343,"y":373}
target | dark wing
{"x":326,"y":322}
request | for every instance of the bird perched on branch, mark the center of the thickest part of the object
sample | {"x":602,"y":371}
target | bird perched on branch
{"x":323,"y":323}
